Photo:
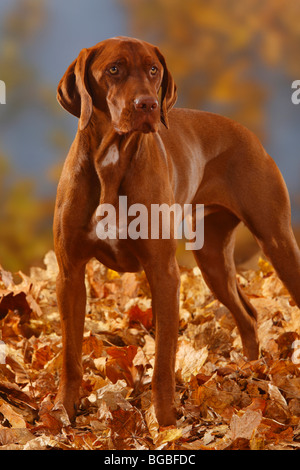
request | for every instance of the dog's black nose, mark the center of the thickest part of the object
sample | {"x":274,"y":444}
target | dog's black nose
{"x":145,"y":103}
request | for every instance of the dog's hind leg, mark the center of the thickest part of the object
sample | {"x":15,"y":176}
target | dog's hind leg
{"x":216,"y":261}
{"x":268,"y":215}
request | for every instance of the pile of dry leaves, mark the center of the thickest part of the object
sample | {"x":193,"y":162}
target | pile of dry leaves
{"x":223,"y":401}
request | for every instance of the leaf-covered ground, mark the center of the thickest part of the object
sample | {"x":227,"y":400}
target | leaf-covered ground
{"x":223,"y":401}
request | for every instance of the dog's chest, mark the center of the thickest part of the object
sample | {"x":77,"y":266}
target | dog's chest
{"x":111,"y":157}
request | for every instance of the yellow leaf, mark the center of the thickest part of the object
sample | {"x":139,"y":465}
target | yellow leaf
{"x":111,"y":275}
{"x":14,"y":419}
{"x":169,"y":434}
{"x":265,"y":266}
{"x":160,"y":436}
{"x":189,"y":360}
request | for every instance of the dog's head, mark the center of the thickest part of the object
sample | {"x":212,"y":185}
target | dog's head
{"x":124,"y":78}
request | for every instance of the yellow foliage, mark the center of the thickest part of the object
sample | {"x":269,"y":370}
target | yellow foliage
{"x":214,"y":49}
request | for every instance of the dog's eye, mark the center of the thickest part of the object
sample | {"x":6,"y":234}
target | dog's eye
{"x":113,"y":70}
{"x":153,"y":70}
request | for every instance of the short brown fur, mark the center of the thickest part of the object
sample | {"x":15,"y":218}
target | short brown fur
{"x":165,"y":156}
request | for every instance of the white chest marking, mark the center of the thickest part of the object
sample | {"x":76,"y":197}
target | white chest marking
{"x":112,"y":156}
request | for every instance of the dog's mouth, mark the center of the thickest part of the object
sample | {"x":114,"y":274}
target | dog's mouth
{"x":146,"y":127}
{"x":132,"y":121}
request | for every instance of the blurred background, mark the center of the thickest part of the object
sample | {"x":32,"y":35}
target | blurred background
{"x":231,"y":57}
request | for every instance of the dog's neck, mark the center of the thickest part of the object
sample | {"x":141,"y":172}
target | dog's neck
{"x":113,"y":156}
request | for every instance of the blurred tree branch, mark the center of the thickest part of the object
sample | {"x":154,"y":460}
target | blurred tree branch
{"x":26,"y":217}
{"x":25,"y":220}
{"x":218,"y":50}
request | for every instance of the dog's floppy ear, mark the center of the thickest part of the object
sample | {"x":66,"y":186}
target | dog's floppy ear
{"x":168,"y":91}
{"x":73,"y":92}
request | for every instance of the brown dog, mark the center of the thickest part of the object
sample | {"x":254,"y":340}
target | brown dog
{"x":129,"y":142}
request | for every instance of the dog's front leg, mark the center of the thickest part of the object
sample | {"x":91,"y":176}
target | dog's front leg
{"x":164,"y":280}
{"x":71,"y":299}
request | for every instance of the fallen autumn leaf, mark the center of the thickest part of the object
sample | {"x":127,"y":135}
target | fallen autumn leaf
{"x":223,"y":401}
